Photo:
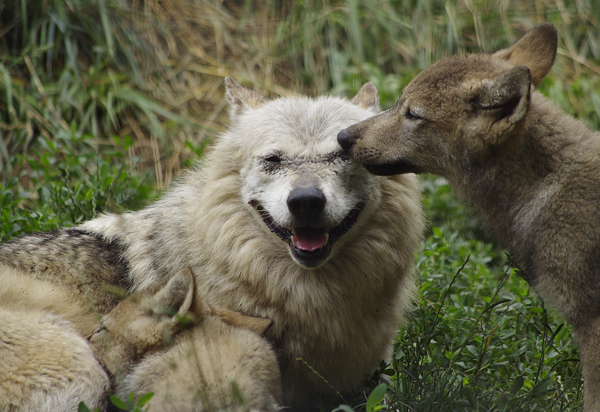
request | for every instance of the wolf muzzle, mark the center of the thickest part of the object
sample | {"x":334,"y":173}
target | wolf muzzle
{"x":306,"y":202}
{"x":347,"y":137}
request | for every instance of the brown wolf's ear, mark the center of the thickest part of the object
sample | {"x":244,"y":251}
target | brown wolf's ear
{"x":502,"y":103}
{"x":367,"y":97}
{"x":254,"y":323}
{"x":535,"y":50}
{"x":241,"y":98}
{"x":176,"y":295}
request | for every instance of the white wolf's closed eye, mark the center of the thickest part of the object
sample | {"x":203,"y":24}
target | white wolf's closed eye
{"x":273,"y":158}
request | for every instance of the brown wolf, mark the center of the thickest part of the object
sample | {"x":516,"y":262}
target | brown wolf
{"x":530,"y":169}
{"x":144,"y":348}
{"x":275,"y":222}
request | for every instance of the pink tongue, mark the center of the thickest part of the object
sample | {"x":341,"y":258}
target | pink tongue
{"x":309,"y":238}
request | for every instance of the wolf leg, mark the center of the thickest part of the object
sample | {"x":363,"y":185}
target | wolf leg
{"x":588,"y":336}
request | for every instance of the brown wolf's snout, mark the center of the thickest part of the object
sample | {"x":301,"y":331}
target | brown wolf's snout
{"x":347,"y":137}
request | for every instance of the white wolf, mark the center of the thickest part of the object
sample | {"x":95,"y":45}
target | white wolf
{"x":276,"y":222}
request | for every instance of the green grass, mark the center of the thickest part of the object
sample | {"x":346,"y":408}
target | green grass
{"x":479,"y":338}
{"x":103,"y":102}
{"x":63,"y":182}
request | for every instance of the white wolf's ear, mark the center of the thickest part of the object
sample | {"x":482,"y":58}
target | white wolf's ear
{"x":501,"y":104}
{"x":535,"y":50}
{"x":367,"y":97}
{"x":241,"y":98}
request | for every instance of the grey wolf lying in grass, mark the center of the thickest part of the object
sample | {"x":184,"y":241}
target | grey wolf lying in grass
{"x":275,"y":222}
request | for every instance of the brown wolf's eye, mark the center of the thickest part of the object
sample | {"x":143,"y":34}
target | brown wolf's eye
{"x":410,"y":115}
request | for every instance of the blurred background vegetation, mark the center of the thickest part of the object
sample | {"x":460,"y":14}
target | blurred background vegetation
{"x":102,"y":103}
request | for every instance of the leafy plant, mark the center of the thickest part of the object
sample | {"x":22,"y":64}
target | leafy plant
{"x":130,"y":404}
{"x":66,"y":182}
{"x":479,"y":338}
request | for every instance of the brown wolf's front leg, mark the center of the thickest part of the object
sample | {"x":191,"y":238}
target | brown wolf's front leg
{"x":588,"y":336}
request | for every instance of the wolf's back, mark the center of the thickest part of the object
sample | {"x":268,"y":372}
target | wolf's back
{"x":71,"y":258}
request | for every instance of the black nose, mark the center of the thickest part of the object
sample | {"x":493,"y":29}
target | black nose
{"x":306,"y":202}
{"x":346,"y":139}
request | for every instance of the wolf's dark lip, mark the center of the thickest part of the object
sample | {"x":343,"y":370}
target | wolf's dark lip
{"x":282,"y":232}
{"x":395,"y":168}
{"x":310,"y":258}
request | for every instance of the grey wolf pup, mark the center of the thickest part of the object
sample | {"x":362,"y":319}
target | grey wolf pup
{"x":196,"y":370}
{"x":275,"y":222}
{"x":530,"y":169}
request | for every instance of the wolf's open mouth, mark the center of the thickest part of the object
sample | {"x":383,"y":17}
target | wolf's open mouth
{"x":310,"y":245}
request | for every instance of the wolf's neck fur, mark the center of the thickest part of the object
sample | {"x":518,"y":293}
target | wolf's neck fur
{"x":550,"y":143}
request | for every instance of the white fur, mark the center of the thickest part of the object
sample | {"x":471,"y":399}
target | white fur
{"x":341,"y":317}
